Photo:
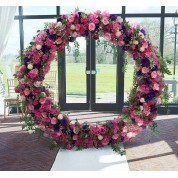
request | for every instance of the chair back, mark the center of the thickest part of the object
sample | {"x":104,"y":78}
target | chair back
{"x":51,"y":76}
{"x":11,"y":87}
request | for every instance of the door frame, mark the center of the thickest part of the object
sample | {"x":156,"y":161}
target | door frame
{"x":91,"y":82}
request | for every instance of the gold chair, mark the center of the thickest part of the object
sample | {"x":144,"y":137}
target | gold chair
{"x":11,"y":99}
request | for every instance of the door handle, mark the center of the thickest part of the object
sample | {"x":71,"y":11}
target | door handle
{"x":90,"y":72}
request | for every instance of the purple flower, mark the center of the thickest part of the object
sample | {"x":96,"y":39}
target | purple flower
{"x":139,"y":73}
{"x":127,"y":39}
{"x":52,"y":37}
{"x":37,"y":106}
{"x":125,"y":48}
{"x":59,"y":19}
{"x":44,"y":48}
{"x":38,"y":66}
{"x":147,"y":82}
{"x":56,"y":128}
{"x":145,"y":62}
{"x":64,"y":122}
{"x":26,"y":59}
{"x":143,"y":31}
{"x":113,"y":17}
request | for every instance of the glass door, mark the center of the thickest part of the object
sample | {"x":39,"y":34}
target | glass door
{"x":89,"y":82}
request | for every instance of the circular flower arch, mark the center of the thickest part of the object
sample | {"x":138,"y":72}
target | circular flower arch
{"x":44,"y":116}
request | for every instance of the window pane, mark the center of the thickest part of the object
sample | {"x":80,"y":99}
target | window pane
{"x":171,"y":9}
{"x":39,"y":10}
{"x":106,"y":63}
{"x":143,"y":9}
{"x":170,"y":53}
{"x":8,"y":60}
{"x":31,"y":27}
{"x":110,"y":9}
{"x":75,"y":73}
{"x":152,"y":27}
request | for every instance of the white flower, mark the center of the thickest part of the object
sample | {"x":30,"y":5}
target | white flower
{"x":30,"y":66}
{"x":60,"y":116}
{"x":135,"y":42}
{"x":37,"y":84}
{"x":142,"y":49}
{"x":141,"y":108}
{"x":43,"y":93}
{"x":118,"y":33}
{"x":131,"y":134}
{"x":72,"y":27}
{"x":38,"y":47}
{"x":142,"y":100}
{"x":59,"y":24}
{"x":139,"y":124}
{"x":30,"y":131}
{"x":100,"y":137}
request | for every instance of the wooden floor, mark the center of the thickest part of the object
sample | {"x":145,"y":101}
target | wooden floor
{"x":20,"y":151}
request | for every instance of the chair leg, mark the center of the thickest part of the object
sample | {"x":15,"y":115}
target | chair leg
{"x":8,"y":108}
{"x":17,"y":108}
{"x":4,"y":109}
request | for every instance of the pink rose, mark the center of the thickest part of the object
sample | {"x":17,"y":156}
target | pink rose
{"x":105,"y":21}
{"x":91,"y":26}
{"x":37,"y":84}
{"x":42,"y":100}
{"x":77,"y":27}
{"x":58,"y":41}
{"x":26,"y":91}
{"x":156,"y":87}
{"x":22,"y":68}
{"x":115,"y":136}
{"x":107,"y":35}
{"x":71,"y":18}
{"x":53,"y":121}
{"x":145,"y":70}
{"x":33,"y":74}
{"x":154,"y":74}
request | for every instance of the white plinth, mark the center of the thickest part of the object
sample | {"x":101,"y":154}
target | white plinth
{"x":104,"y":159}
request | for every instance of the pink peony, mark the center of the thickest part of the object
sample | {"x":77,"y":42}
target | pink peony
{"x":105,"y":21}
{"x":33,"y":74}
{"x":53,"y":121}
{"x":145,"y":70}
{"x":26,"y":91}
{"x":37,"y":84}
{"x":107,"y":35}
{"x":71,"y":18}
{"x":154,"y":74}
{"x":115,"y":136}
{"x":156,"y":87}
{"x":91,"y":26}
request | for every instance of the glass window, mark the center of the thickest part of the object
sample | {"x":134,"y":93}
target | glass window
{"x":143,"y":9}
{"x":31,"y":26}
{"x":8,"y":60}
{"x":152,"y":27}
{"x":75,"y":73}
{"x":171,"y":9}
{"x":170,"y":53}
{"x":110,"y":9}
{"x":39,"y":10}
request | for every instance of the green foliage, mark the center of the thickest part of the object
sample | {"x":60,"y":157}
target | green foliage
{"x":117,"y":148}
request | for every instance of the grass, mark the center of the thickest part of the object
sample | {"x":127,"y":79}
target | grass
{"x":76,"y":77}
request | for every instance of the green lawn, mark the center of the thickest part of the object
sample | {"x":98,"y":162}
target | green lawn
{"x":76,"y":77}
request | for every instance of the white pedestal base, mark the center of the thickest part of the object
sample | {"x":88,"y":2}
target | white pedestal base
{"x":104,"y":159}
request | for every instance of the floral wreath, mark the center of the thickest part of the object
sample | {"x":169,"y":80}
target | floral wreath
{"x":43,"y":116}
